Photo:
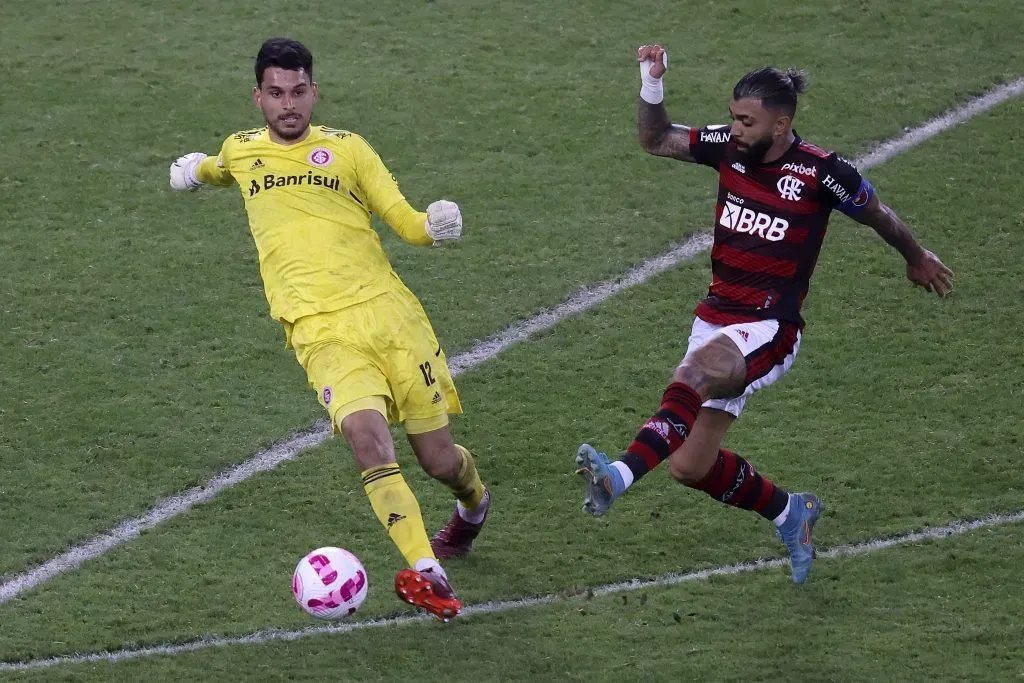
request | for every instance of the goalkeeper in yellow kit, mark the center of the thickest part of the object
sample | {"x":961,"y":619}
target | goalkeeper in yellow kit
{"x":362,"y":337}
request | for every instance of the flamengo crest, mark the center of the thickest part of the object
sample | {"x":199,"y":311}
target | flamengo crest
{"x":789,"y":188}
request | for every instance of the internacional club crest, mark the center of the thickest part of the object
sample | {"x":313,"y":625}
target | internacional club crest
{"x":321,"y":156}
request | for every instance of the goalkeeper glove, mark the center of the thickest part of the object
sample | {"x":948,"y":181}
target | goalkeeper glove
{"x":183,"y":172}
{"x":444,"y":221}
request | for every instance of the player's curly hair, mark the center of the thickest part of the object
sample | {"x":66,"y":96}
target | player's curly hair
{"x":283,"y":53}
{"x":775,"y":88}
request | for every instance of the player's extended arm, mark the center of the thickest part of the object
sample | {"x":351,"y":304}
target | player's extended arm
{"x":441,"y":222}
{"x":658,"y":135}
{"x":195,"y":169}
{"x":923,"y":267}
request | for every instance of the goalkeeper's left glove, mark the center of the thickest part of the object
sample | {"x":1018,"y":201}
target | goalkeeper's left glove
{"x":183,"y":172}
{"x":444,"y":221}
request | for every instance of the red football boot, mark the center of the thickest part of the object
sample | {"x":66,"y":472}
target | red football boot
{"x":428,"y":590}
{"x":458,"y":535}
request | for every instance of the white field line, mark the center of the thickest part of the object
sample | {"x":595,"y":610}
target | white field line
{"x":585,"y":299}
{"x":321,"y":431}
{"x":272,"y":635}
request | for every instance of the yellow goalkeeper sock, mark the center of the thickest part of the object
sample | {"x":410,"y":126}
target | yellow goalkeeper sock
{"x":395,"y":506}
{"x":467,"y":486}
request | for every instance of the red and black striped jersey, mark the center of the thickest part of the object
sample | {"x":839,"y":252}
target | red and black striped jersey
{"x":770,"y":222}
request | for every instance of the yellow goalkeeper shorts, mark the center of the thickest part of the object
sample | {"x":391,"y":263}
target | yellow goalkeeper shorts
{"x":380,"y":354}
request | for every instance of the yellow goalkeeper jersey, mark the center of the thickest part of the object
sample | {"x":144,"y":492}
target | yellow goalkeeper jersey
{"x":309,"y":207}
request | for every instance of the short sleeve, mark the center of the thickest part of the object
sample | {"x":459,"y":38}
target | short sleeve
{"x":708,"y":144}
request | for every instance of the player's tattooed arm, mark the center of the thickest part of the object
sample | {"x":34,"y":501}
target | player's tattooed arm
{"x":890,"y":228}
{"x":659,"y":136}
{"x":923,"y":267}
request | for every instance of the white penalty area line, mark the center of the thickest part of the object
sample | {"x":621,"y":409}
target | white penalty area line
{"x":485,"y":608}
{"x":587,"y":298}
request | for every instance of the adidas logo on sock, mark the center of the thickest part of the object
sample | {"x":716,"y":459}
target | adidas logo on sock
{"x":256,"y":165}
{"x":394,"y":518}
{"x":436,"y":399}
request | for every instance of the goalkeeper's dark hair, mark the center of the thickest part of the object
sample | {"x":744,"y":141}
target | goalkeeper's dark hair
{"x":283,"y":53}
{"x":775,"y":88}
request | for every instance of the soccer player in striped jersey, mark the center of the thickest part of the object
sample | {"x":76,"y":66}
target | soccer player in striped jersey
{"x":362,"y":337}
{"x":776,"y":193}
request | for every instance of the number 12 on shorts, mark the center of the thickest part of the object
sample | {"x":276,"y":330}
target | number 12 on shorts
{"x":428,"y":373}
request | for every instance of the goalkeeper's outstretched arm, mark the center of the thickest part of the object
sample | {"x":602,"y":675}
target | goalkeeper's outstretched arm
{"x":195,"y":169}
{"x":442,"y":222}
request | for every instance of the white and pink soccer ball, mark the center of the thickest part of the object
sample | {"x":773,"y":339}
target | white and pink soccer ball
{"x":329,"y":583}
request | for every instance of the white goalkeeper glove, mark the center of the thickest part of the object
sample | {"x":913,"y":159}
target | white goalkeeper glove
{"x":444,"y":221}
{"x":183,"y":172}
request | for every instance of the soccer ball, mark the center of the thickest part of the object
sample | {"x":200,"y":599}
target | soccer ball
{"x":329,"y":583}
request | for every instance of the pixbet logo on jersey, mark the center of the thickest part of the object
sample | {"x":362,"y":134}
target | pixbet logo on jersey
{"x":735,"y":217}
{"x":800,"y":169}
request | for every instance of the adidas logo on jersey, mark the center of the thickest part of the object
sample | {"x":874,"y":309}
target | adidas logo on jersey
{"x":735,"y":217}
{"x":800,"y":169}
{"x":739,"y":167}
{"x":258,"y":164}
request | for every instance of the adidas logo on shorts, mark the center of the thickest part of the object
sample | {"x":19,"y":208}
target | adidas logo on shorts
{"x":437,"y":398}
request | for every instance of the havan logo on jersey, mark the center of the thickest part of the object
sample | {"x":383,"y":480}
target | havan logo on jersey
{"x":271,"y":181}
{"x":735,"y":217}
{"x":837,"y":189}
{"x":716,"y":136}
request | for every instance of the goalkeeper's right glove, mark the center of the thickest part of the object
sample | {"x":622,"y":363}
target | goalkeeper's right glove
{"x":183,"y":172}
{"x":444,"y":221}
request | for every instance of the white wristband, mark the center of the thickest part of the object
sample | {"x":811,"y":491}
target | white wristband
{"x":651,"y":89}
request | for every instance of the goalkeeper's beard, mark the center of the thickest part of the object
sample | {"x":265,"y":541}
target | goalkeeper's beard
{"x":291,"y":132}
